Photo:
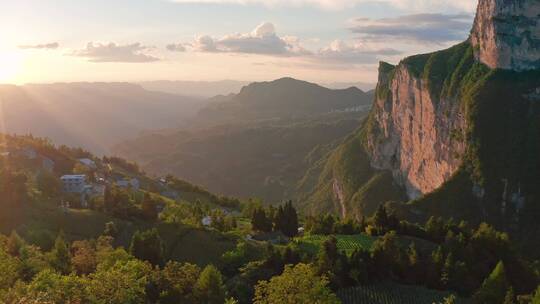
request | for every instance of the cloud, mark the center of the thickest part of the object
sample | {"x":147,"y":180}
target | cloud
{"x":179,"y":47}
{"x":340,"y":51}
{"x":416,"y":28}
{"x":47,"y":46}
{"x":112,"y":52}
{"x":407,"y":5}
{"x":263,"y":40}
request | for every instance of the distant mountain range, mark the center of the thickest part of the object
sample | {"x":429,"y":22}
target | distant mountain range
{"x":207,"y":89}
{"x":91,"y":115}
{"x":281,"y":98}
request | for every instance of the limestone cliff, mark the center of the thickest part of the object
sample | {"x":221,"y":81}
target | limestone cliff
{"x":414,"y":132}
{"x":457,"y":129}
{"x":506,"y":34}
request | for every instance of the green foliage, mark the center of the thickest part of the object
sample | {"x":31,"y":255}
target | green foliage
{"x":536,"y":298}
{"x":51,"y":287}
{"x":286,"y":220}
{"x":59,"y":256}
{"x":298,"y":284}
{"x":177,"y":281}
{"x":147,"y":246}
{"x":209,"y":288}
{"x":494,"y":288}
{"x":124,"y":282}
{"x":260,"y":221}
{"x":49,"y":184}
{"x":348,"y":243}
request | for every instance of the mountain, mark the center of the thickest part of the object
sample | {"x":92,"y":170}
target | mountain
{"x":281,"y":98}
{"x":455,"y":133}
{"x":90,"y":115}
{"x":258,"y":143}
{"x":199,"y":89}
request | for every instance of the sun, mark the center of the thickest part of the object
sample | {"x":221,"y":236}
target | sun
{"x":10,"y":66}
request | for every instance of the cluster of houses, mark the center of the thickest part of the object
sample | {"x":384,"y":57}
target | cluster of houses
{"x":79,"y":183}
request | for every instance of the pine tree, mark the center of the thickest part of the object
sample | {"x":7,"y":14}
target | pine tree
{"x":493,"y":290}
{"x":209,"y":289}
{"x":380,"y":220}
{"x":59,"y":256}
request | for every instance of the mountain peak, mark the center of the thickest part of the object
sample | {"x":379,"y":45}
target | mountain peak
{"x":506,"y":34}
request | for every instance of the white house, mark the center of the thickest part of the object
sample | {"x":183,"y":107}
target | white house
{"x":74,"y":183}
{"x":207,"y":221}
{"x":88,"y":162}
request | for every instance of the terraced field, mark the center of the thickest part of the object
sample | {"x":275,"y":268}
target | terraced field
{"x":391,"y":293}
{"x":347,"y":243}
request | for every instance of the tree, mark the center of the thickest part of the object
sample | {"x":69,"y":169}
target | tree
{"x":260,"y":222}
{"x":209,"y":288}
{"x":124,"y":282}
{"x":14,"y":243}
{"x":493,"y":290}
{"x":176,"y":282}
{"x":536,"y":297}
{"x":288,"y":223}
{"x":59,"y":256}
{"x":48,"y":184}
{"x":298,"y":284}
{"x":147,"y":246}
{"x":9,"y":273}
{"x":148,"y":207}
{"x":51,"y":287}
{"x":84,"y":259}
{"x":110,"y":229}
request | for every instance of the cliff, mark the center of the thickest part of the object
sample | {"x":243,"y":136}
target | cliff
{"x":506,"y":34}
{"x":457,"y":130}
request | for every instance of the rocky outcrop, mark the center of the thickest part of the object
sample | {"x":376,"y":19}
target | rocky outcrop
{"x":506,"y":34}
{"x":414,"y":134}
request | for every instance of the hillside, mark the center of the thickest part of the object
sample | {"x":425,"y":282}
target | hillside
{"x":281,"y":98}
{"x":258,"y":143}
{"x":247,"y":160}
{"x":91,"y":115}
{"x":455,"y":132}
{"x":32,"y":202}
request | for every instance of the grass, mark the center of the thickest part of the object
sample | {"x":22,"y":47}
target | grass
{"x":348,"y":243}
{"x":392,"y":293}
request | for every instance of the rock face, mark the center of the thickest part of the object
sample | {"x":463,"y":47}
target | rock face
{"x":506,"y":34}
{"x":413,"y":134}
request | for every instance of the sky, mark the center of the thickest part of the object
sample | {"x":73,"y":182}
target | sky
{"x":43,"y":41}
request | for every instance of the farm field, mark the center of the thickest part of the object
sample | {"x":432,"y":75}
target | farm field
{"x":391,"y":293}
{"x":347,"y":243}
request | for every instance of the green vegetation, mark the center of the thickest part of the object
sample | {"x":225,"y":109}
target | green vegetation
{"x":348,"y":172}
{"x":298,"y":284}
{"x":391,"y":293}
{"x":347,"y":243}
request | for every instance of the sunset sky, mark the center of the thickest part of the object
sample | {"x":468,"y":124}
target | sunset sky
{"x":136,"y":40}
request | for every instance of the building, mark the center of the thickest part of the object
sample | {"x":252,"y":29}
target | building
{"x":125,"y":183}
{"x":207,"y":221}
{"x":88,"y":163}
{"x":74,"y":183}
